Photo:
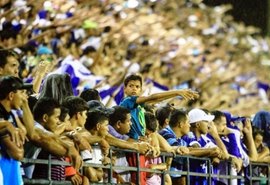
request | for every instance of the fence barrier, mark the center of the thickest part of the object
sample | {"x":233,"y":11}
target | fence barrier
{"x":209,"y":176}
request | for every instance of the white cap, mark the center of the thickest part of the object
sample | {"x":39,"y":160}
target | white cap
{"x":196,"y":115}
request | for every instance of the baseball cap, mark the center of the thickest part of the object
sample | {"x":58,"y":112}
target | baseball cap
{"x":196,"y":115}
{"x":11,"y":83}
{"x":97,"y":105}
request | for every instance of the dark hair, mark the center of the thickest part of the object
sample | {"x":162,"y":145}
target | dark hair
{"x":150,"y":121}
{"x":90,"y":94}
{"x":177,"y":116}
{"x":149,"y":108}
{"x":32,"y":102}
{"x":257,"y":131}
{"x":89,"y":49}
{"x":163,"y":113}
{"x":119,"y":114}
{"x":43,"y":106}
{"x":93,"y":118}
{"x":131,"y":78}
{"x":57,"y":86}
{"x":64,"y":113}
{"x":4,"y":54}
{"x":218,"y":115}
{"x":75,"y":104}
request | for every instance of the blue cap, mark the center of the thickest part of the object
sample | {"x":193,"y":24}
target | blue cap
{"x":43,"y":50}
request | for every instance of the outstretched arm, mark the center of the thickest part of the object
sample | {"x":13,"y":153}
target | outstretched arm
{"x":185,"y":93}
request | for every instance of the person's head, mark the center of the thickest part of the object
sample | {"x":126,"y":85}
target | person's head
{"x":162,"y":115}
{"x":179,"y":122}
{"x":199,"y":120}
{"x":65,"y":118}
{"x":258,"y":137}
{"x":97,"y":105}
{"x":261,"y":121}
{"x":90,"y":94}
{"x":151,"y":123}
{"x":9,"y":64}
{"x":77,"y":109}
{"x":97,"y":123}
{"x":219,"y":121}
{"x":57,"y":86}
{"x":13,"y":91}
{"x":133,"y":85}
{"x":47,"y":112}
{"x":120,"y":119}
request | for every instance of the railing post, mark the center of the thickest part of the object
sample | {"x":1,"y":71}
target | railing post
{"x":268,"y":174}
{"x":163,"y":174}
{"x":251,"y":174}
{"x":229,"y":171}
{"x":209,"y":172}
{"x":50,"y":169}
{"x":138,"y":168}
{"x":188,"y":170}
{"x":111,"y":170}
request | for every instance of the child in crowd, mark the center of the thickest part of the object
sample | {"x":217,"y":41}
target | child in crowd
{"x":152,"y":160}
{"x":135,"y":103}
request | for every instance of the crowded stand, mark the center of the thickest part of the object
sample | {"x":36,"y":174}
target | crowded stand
{"x":174,"y":88}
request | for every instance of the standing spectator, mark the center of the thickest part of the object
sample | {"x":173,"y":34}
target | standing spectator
{"x":120,"y":123}
{"x":11,"y":97}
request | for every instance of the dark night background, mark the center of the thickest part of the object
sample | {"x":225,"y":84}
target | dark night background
{"x":251,"y":12}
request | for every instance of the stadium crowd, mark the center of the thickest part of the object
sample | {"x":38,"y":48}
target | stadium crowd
{"x":77,"y":77}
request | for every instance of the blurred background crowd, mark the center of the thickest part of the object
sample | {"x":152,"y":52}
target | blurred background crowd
{"x":173,"y":44}
{"x":82,"y":57}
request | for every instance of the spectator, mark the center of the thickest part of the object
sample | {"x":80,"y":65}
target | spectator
{"x":9,"y":64}
{"x":153,"y":161}
{"x":90,"y":94}
{"x":97,"y":124}
{"x":57,"y":86}
{"x":134,"y":102}
{"x":11,"y":97}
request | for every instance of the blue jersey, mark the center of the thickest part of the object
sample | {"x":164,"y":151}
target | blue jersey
{"x":171,"y":138}
{"x":11,"y":171}
{"x":199,"y":166}
{"x":138,"y":126}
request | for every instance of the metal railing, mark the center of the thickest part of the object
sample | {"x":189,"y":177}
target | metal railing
{"x":208,"y":176}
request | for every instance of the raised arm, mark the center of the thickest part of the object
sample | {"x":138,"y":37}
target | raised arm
{"x":252,"y":151}
{"x":185,"y":93}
